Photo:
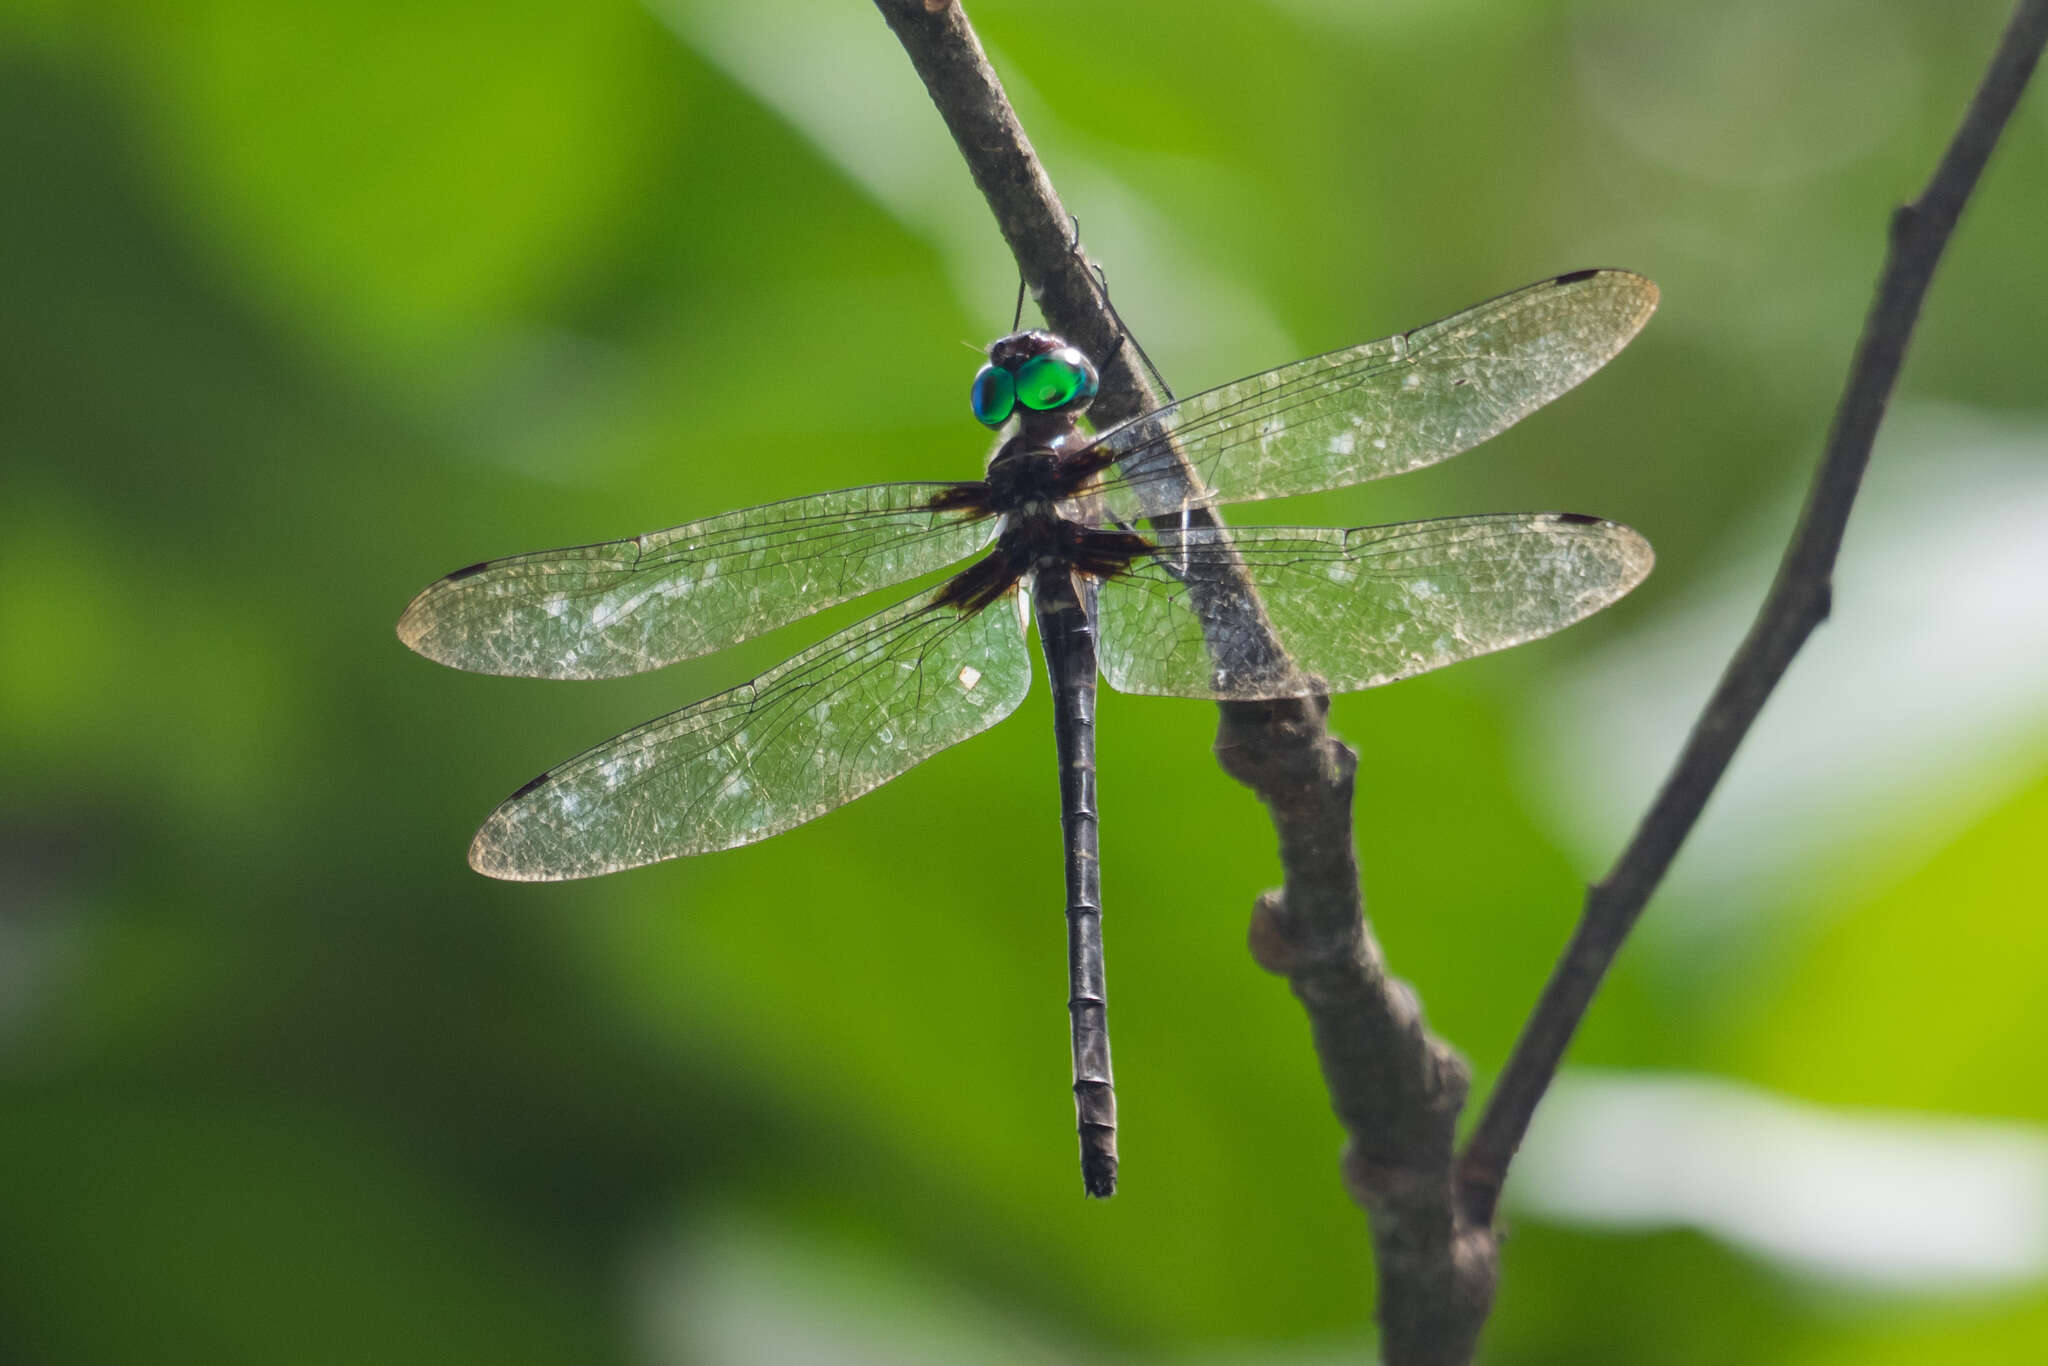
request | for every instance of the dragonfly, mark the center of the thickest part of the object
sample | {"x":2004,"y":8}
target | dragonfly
{"x":1107,"y":539}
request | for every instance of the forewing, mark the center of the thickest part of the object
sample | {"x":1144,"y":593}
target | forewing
{"x":1355,"y":609}
{"x":1379,"y":409}
{"x":622,"y":607}
{"x":816,"y":731}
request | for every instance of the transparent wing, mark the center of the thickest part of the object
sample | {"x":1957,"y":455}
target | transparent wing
{"x":622,"y":607}
{"x":1358,"y":608}
{"x":1379,"y":409}
{"x":818,"y":730}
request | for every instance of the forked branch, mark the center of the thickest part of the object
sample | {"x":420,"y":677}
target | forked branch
{"x":1396,"y":1088}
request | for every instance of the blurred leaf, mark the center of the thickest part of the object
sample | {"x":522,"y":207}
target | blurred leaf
{"x":1929,"y":997}
{"x":161,"y":1231}
{"x":406,"y":178}
{"x":2006,"y":1330}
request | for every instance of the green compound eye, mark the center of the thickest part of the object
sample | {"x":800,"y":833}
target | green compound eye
{"x":994,"y":396}
{"x":1055,"y":380}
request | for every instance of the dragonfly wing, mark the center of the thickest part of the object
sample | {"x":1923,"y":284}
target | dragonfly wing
{"x":622,"y":607}
{"x":1355,"y":609}
{"x":816,"y":731}
{"x":1379,"y":409}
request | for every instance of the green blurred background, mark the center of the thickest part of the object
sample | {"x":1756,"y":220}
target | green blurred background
{"x":302,"y":306}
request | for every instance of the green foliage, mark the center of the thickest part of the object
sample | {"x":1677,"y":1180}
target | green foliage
{"x":301,"y":308}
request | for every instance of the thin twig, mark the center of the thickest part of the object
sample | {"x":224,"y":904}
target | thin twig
{"x":1798,"y":602}
{"x":1395,"y":1087}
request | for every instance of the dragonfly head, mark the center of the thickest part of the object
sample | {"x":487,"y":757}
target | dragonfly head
{"x":1035,"y":371}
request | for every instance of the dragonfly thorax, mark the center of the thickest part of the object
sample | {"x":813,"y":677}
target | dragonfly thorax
{"x":1024,"y":476}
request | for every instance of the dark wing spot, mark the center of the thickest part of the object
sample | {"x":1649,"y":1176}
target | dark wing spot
{"x":529,"y":787}
{"x":1579,"y":519}
{"x":1574,"y":277}
{"x":467,"y":570}
{"x":978,"y":585}
{"x":967,"y":496}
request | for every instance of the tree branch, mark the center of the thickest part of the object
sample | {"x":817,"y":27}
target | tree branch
{"x":1797,"y":603}
{"x":947,"y":55}
{"x":1395,"y":1088}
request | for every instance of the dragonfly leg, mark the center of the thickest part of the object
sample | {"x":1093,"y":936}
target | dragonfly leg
{"x":1123,"y":333}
